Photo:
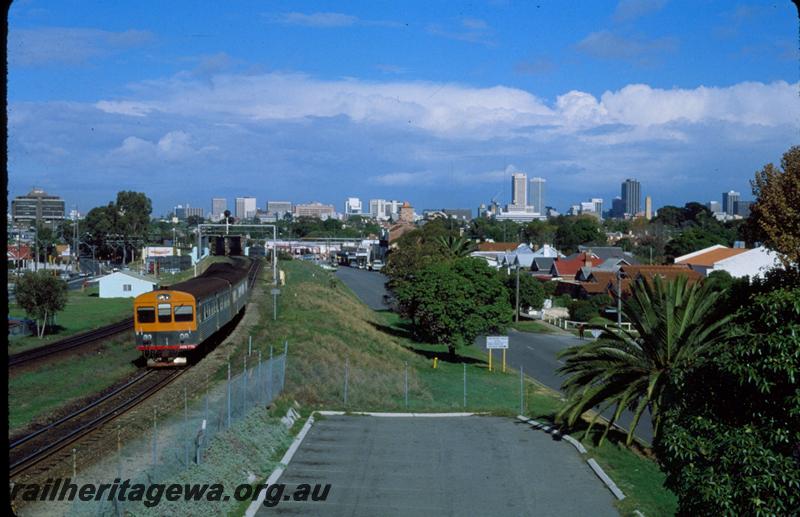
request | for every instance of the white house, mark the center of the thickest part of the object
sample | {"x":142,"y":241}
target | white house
{"x":739,"y":262}
{"x":125,"y":284}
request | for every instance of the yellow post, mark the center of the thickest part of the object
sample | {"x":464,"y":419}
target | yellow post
{"x":504,"y":360}
{"x":435,"y":361}
{"x":490,"y":359}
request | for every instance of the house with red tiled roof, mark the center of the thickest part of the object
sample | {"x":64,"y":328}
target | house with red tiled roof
{"x":569,"y":267}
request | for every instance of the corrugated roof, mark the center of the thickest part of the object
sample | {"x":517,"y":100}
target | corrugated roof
{"x":497,"y":246}
{"x":713,"y":256}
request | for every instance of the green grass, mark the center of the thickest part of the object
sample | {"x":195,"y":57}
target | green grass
{"x":84,"y":311}
{"x":533,"y":326}
{"x":35,"y":393}
{"x":329,"y":328}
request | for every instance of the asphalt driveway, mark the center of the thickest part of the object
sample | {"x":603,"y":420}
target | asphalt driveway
{"x":441,"y":466}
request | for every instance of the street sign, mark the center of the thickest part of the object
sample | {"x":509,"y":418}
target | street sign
{"x":276,"y":291}
{"x":493,"y":342}
{"x":596,"y":333}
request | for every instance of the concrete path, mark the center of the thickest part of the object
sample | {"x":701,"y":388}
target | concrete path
{"x":441,"y":466}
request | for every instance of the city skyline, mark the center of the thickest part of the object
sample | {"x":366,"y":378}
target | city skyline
{"x":440,"y":109}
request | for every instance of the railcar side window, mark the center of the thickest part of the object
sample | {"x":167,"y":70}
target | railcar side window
{"x":164,"y":313}
{"x":146,"y":315}
{"x":183,"y":313}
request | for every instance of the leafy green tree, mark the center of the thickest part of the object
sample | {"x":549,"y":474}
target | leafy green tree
{"x":674,"y":325}
{"x":451,"y":303}
{"x":776,"y":211}
{"x":531,"y":291}
{"x":484,"y":228}
{"x":41,"y":295}
{"x":730,"y":441}
{"x":539,"y":232}
{"x":573,"y":231}
{"x":416,"y":250}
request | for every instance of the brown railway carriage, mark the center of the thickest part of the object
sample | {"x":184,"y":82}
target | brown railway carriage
{"x":169,"y":323}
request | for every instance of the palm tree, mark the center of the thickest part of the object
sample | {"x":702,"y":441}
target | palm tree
{"x":455,"y":246}
{"x":674,"y":325}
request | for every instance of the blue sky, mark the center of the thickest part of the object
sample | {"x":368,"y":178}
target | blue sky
{"x":433,"y":102}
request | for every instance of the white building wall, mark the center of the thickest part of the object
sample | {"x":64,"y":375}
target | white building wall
{"x":114,"y":286}
{"x":753,"y":263}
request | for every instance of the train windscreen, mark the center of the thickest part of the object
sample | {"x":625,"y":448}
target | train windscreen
{"x":183,"y":313}
{"x":146,"y":315}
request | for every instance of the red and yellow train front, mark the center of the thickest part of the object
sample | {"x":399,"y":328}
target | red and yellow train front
{"x":165,"y":325}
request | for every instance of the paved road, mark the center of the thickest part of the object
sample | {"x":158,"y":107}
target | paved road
{"x":441,"y":466}
{"x":536,"y":353}
{"x":369,"y":286}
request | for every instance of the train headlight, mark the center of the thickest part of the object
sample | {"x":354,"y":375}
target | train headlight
{"x":147,"y":338}
{"x":184,"y":336}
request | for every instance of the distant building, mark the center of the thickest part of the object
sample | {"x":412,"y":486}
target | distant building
{"x":742,"y":208}
{"x":194,"y":211}
{"x":648,"y":208}
{"x":352,"y":206}
{"x":632,"y":196}
{"x":714,"y":207}
{"x":393,"y":209}
{"x":37,"y":207}
{"x":406,"y":213}
{"x":519,"y":191}
{"x":463,"y":214}
{"x":279,"y":208}
{"x":617,"y":208}
{"x":245,"y":207}
{"x":377,"y":209}
{"x":536,"y":194}
{"x":218,"y":207}
{"x":315,"y":209}
{"x":729,"y":200}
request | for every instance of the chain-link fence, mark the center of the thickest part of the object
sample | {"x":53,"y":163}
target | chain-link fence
{"x":175,"y":443}
{"x":450,"y":386}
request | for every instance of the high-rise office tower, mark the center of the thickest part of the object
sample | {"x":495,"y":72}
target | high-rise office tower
{"x":648,"y":207}
{"x":245,"y":207}
{"x":597,"y":203}
{"x":632,"y":196}
{"x":714,"y":207}
{"x":218,"y":207}
{"x":729,"y":200}
{"x":617,"y":207}
{"x":536,"y":194}
{"x":377,"y":209}
{"x":519,"y":190}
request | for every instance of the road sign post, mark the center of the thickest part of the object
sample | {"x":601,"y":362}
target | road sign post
{"x":497,"y":342}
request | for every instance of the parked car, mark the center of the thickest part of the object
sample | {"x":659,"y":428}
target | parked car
{"x":376,"y":265}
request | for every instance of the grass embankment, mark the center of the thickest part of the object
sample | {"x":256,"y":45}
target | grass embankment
{"x":36,"y":393}
{"x":330,"y":331}
{"x":534,"y":326}
{"x":85,"y":310}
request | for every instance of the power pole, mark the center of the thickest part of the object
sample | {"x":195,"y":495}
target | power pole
{"x":516,"y":314}
{"x":619,"y":298}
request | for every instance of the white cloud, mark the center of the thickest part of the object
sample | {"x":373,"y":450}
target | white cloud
{"x":457,"y":111}
{"x":605,"y":44}
{"x":175,"y":145}
{"x":318,"y":19}
{"x":69,"y":45}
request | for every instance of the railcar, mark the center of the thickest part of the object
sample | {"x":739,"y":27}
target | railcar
{"x":170,"y":323}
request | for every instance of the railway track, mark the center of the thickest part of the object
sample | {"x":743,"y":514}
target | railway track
{"x":49,"y":442}
{"x":71,"y":342}
{"x":44,"y":447}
